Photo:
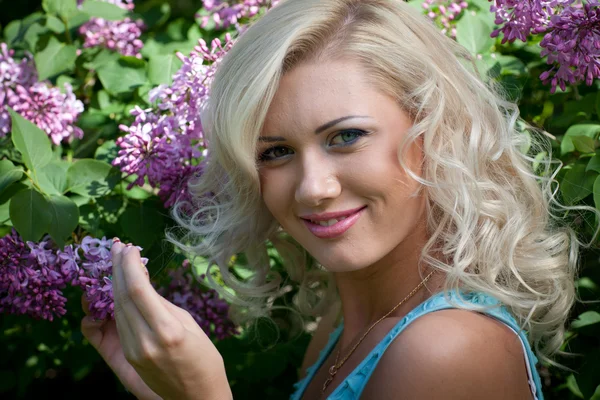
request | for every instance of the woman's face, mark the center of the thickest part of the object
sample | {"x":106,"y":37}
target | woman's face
{"x":330,"y":144}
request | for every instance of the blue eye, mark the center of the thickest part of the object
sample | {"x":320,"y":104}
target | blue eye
{"x":349,"y":137}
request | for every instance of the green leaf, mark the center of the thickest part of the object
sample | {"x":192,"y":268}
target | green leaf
{"x":587,"y":129}
{"x":8,"y":174}
{"x":511,"y":65}
{"x":162,"y":67}
{"x":107,"y":152}
{"x":101,"y":9}
{"x":143,"y":224}
{"x":586,"y":319}
{"x":63,"y":8}
{"x":31,"y":141}
{"x":29,"y":214}
{"x":65,"y":217}
{"x":587,"y":378}
{"x":53,"y":178}
{"x":4,"y":215}
{"x":121,"y":76}
{"x":474,"y":34}
{"x":92,"y":178}
{"x":577,"y":184}
{"x":583,"y":144}
{"x":539,"y":158}
{"x":55,"y":24}
{"x":55,"y":58}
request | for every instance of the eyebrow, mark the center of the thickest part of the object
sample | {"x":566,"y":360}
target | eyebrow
{"x":320,"y":129}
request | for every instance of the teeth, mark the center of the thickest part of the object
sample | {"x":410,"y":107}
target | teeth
{"x":330,"y":222}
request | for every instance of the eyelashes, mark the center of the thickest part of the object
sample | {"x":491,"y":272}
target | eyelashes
{"x":270,"y":154}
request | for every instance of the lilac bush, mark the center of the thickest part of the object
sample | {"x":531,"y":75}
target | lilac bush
{"x":120,"y":36}
{"x":572,"y":46}
{"x":46,"y":106}
{"x":205,"y":307}
{"x":163,"y":142}
{"x":571,"y":35}
{"x":445,"y":13}
{"x":226,"y":14}
{"x":31,"y":281}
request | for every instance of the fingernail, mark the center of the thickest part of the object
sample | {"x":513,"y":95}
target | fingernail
{"x":116,"y":240}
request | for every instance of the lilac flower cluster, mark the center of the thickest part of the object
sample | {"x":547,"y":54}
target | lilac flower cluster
{"x":163,"y":142}
{"x":210,"y":312}
{"x":571,"y":31}
{"x":445,"y":12}
{"x":33,"y":275}
{"x":120,"y":36}
{"x":228,"y":13}
{"x":573,"y":46}
{"x":519,"y":19}
{"x":44,"y":105}
{"x":89,"y":266}
{"x":31,"y":281}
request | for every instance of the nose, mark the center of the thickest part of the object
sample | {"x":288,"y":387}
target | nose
{"x":317,"y":183}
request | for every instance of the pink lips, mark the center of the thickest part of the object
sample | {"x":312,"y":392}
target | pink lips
{"x":337,"y":229}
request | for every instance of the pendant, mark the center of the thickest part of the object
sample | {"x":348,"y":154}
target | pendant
{"x":332,"y":372}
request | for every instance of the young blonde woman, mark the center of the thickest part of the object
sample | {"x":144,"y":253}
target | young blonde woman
{"x":359,"y":131}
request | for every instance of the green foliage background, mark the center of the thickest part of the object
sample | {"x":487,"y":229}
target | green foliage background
{"x":86,"y":195}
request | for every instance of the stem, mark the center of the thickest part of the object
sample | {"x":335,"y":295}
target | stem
{"x":35,"y":185}
{"x":67,"y":31}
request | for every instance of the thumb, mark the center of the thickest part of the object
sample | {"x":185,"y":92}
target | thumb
{"x":92,"y":330}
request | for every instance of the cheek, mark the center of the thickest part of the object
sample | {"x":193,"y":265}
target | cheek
{"x":274,"y":192}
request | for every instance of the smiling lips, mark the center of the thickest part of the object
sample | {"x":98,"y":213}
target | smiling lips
{"x":330,"y":225}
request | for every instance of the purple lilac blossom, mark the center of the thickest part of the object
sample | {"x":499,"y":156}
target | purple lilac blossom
{"x":120,"y":36}
{"x":31,"y":280}
{"x":46,"y":106}
{"x":571,"y":31}
{"x":445,"y":13}
{"x":228,"y":13}
{"x":89,"y":266}
{"x":163,"y":142}
{"x":572,"y":45}
{"x":205,"y":306}
{"x":518,"y":19}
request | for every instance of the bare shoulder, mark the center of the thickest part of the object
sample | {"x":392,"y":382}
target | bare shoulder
{"x":452,"y":354}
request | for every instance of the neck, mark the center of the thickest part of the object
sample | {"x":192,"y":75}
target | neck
{"x":370,"y":293}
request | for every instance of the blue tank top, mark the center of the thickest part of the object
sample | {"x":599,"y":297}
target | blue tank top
{"x":355,"y":382}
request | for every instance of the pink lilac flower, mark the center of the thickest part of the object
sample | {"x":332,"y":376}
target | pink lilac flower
{"x":120,"y":36}
{"x":31,"y":280}
{"x":205,"y":306}
{"x":445,"y":12}
{"x":51,"y":110}
{"x":13,"y":75}
{"x":163,"y":144}
{"x":572,"y":45}
{"x":46,"y":106}
{"x":228,"y":13}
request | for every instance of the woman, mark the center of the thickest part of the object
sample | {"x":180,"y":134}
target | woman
{"x":357,"y":129}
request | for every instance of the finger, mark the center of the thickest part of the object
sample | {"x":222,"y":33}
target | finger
{"x":131,"y":325}
{"x":144,"y":296}
{"x":183,"y":315}
{"x":85,"y":305}
{"x":91,"y":330}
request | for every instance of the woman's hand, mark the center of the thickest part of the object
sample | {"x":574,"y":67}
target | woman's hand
{"x":161,"y":342}
{"x":103,"y":336}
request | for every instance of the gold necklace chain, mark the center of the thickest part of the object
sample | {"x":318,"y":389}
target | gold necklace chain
{"x":335,"y":367}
